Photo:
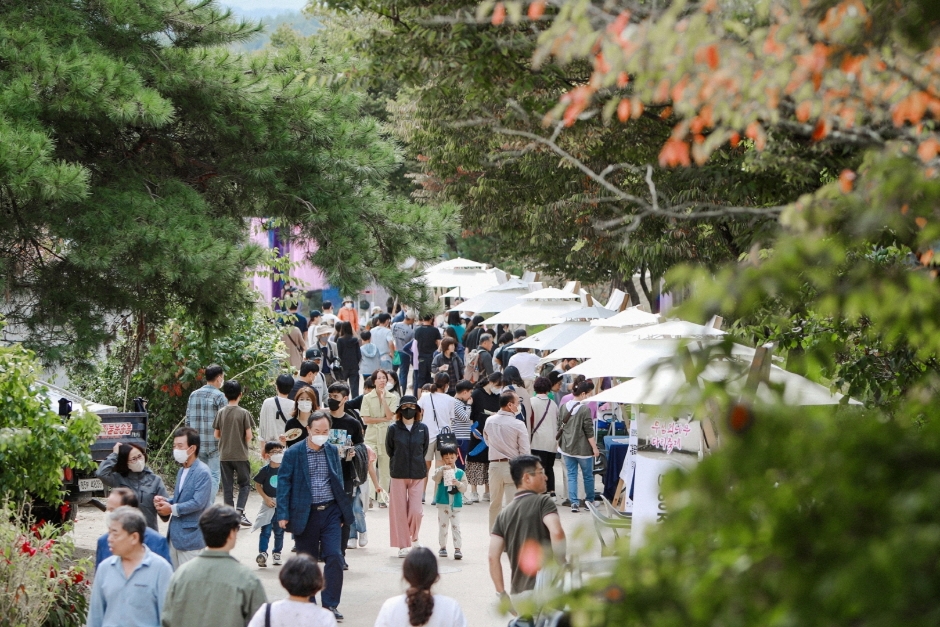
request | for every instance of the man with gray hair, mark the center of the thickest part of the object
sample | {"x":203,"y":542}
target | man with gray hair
{"x":130,"y":586}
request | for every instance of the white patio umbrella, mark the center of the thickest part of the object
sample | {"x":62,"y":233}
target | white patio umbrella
{"x":629,"y":317}
{"x":540,"y":307}
{"x":555,"y":336}
{"x":667,"y":384}
{"x":455,"y":264}
{"x":594,"y":312}
{"x":470,"y":282}
{"x":608,"y":340}
{"x":498,"y":298}
{"x":676,"y":329}
{"x":636,"y":357}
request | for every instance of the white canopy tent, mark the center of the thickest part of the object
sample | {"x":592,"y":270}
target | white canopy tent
{"x":633,"y":359}
{"x":540,"y":307}
{"x":555,"y":336}
{"x":667,"y":384}
{"x":498,"y":298}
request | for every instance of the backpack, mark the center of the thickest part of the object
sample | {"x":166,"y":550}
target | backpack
{"x":474,"y":369}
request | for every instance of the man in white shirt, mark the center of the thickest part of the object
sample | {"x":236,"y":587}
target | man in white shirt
{"x":526,"y":361}
{"x":276,"y":411}
{"x":328,"y":316}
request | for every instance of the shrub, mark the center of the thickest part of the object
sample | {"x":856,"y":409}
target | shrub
{"x":35,"y":443}
{"x":39,"y":584}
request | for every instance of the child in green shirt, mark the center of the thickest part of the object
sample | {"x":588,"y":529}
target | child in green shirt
{"x":451,"y":483}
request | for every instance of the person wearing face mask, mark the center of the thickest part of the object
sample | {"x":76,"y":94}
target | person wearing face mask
{"x":305,"y":403}
{"x":119,"y":497}
{"x":485,"y":403}
{"x":349,"y":314}
{"x":407,"y":443}
{"x":266,"y":486}
{"x":313,"y":505}
{"x":127,"y":466}
{"x":346,"y":428}
{"x":192,"y":496}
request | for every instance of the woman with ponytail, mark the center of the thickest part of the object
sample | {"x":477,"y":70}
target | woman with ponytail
{"x":418,"y":607}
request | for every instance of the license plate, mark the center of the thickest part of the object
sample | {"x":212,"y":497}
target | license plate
{"x":90,"y":485}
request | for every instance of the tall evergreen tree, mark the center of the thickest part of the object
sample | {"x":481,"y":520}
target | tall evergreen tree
{"x":134,"y":147}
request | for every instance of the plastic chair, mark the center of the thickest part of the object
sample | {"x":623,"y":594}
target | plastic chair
{"x":614,"y":512}
{"x":615,"y":524}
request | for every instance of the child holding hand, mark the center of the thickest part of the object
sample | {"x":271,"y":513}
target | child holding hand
{"x":450,"y":485}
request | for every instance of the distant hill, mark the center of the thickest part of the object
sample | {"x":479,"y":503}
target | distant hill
{"x":301,"y":23}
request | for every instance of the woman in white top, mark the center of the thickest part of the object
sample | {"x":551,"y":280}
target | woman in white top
{"x":302,"y":579}
{"x":543,"y":425}
{"x":418,"y":607}
{"x":438,"y":408}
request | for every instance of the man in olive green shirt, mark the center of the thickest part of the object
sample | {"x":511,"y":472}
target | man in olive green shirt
{"x":214,"y":588}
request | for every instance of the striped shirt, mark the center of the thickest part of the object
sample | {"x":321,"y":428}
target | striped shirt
{"x":462,"y":422}
{"x":320,"y":490}
{"x":203,"y":405}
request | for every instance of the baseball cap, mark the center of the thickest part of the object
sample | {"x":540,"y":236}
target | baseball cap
{"x":316,"y":313}
{"x":312,"y":353}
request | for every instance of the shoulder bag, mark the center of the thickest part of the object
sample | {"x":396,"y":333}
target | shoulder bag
{"x":445,"y":437}
{"x":280,"y":412}
{"x":561,"y":428}
{"x":547,"y":406}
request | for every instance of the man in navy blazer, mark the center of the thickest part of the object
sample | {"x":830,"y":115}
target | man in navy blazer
{"x":192,"y":496}
{"x":312,"y":504}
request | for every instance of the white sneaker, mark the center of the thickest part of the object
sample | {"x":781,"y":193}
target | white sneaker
{"x":486,"y":496}
{"x":351,"y":543}
{"x":363,"y":539}
{"x":415,"y":544}
{"x":403,"y":552}
{"x":476,"y":497}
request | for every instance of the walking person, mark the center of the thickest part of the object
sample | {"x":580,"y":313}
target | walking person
{"x":371,"y":355}
{"x":577,"y":443}
{"x":404,"y":332}
{"x":529,"y":530}
{"x":273,"y":417}
{"x":305,"y":403}
{"x":463,"y":402}
{"x":512,"y":382}
{"x":426,"y":340}
{"x":215,"y":588}
{"x":407,"y":445}
{"x":418,"y":606}
{"x":543,"y":425}
{"x":485,"y":403}
{"x":201,"y":409}
{"x":450,"y":484}
{"x":129,"y":586}
{"x":313,"y":505}
{"x":126,"y":466}
{"x":302,"y":579}
{"x":347,"y":429}
{"x":234,"y":429}
{"x":471,"y":339}
{"x":266,"y":486}
{"x":378,"y":413}
{"x":525,"y":362}
{"x":350,"y":355}
{"x":437,"y":407}
{"x":327,"y":351}
{"x":191,"y":497}
{"x":295,"y":343}
{"x":448,"y":362}
{"x":384,"y":340}
{"x":122,"y":496}
{"x":349,"y":314}
{"x":507,"y":438}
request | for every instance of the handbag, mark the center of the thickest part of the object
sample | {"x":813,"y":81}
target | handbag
{"x":396,"y":360}
{"x":561,"y":429}
{"x":445,"y":437}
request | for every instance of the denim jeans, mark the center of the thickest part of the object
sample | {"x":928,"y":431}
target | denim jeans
{"x":359,"y":525}
{"x":404,"y":369}
{"x":587,"y":472}
{"x":215,"y":469}
{"x":266,"y":536}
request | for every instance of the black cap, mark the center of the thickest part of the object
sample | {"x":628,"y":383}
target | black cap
{"x":519,"y":333}
{"x":316,"y":313}
{"x":408,"y":400}
{"x":312,"y":353}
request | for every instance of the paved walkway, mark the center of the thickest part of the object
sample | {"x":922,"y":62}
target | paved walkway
{"x":374,"y":572}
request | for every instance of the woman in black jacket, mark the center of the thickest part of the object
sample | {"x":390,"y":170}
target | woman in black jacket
{"x":349,"y":353}
{"x":485,"y":404}
{"x":407,"y":444}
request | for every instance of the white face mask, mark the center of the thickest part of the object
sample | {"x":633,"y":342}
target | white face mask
{"x":180,"y":456}
{"x":277,"y":457}
{"x":137,"y":466}
{"x":319,"y":440}
{"x":305,"y":406}
{"x":349,"y":305}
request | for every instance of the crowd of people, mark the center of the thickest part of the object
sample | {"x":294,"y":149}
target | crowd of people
{"x":480,"y":421}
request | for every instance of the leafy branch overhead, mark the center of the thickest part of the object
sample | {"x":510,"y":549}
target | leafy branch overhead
{"x":136,"y":146}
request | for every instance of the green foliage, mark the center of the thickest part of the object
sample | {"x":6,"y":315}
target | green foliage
{"x":135,"y":148}
{"x":173,"y":364}
{"x":35,"y":444}
{"x":808,"y":519}
{"x":39,"y":585}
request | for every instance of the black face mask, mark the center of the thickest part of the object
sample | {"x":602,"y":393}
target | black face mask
{"x":409,"y":412}
{"x":333,"y":404}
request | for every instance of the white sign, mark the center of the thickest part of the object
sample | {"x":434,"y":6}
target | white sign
{"x":629,"y":462}
{"x":649,"y":507}
{"x":90,"y":485}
